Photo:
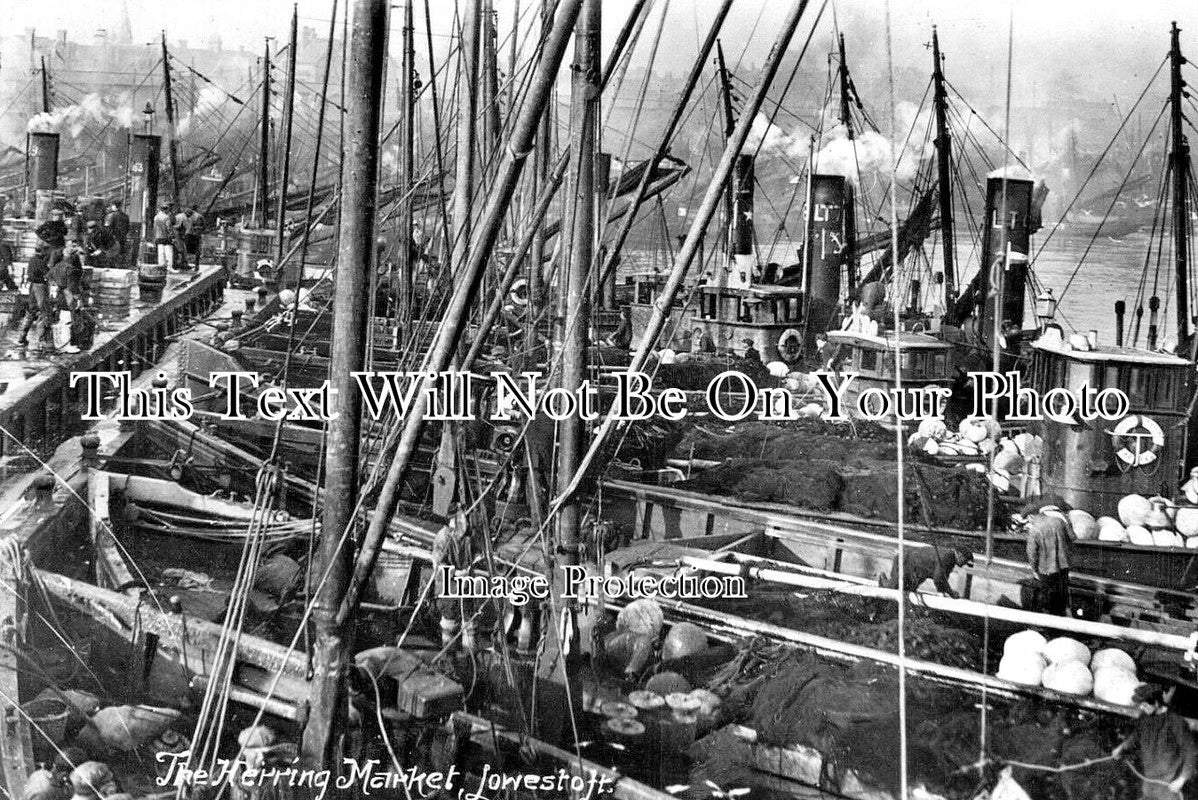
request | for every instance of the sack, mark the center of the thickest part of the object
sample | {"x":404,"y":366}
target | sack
{"x":62,"y":334}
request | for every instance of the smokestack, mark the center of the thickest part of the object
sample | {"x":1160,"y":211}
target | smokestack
{"x":43,"y":161}
{"x":827,"y":249}
{"x":143,"y":182}
{"x":995,"y":237}
{"x":741,"y":230}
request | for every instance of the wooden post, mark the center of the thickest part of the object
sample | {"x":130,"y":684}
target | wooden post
{"x":355,"y":257}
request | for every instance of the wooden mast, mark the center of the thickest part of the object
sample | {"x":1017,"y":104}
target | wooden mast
{"x":613,"y":253}
{"x":944,"y":161}
{"x":47,"y":105}
{"x":403,"y":256}
{"x":172,"y":147}
{"x":1180,"y":156}
{"x":540,"y":174}
{"x":577,"y":258}
{"x":351,"y":303}
{"x":288,"y":112}
{"x":465,"y":289}
{"x":260,"y":220}
{"x":846,"y":114}
{"x":446,"y":473}
{"x":729,"y":124}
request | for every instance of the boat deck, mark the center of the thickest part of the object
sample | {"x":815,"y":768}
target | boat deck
{"x":38,"y":408}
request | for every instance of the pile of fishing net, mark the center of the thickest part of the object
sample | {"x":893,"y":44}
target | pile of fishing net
{"x":942,"y":496}
{"x":861,"y":621}
{"x":822,"y":467}
{"x":850,"y":714}
{"x":795,"y":440}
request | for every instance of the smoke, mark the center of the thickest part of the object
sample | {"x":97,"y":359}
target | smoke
{"x":1014,"y":172}
{"x":868,"y":153}
{"x":93,"y":109}
{"x":208,"y":100}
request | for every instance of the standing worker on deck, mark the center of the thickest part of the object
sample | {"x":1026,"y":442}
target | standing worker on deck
{"x":99,"y":246}
{"x":451,"y":549}
{"x":116,"y":222}
{"x":1049,"y":542}
{"x":38,"y":311}
{"x":181,"y":227}
{"x":164,"y":237}
{"x":194,"y":235}
{"x":53,"y":232}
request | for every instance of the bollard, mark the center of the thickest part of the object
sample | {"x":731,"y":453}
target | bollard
{"x":89,"y":443}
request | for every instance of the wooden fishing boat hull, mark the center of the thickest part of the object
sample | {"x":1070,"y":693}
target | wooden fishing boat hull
{"x":844,"y":544}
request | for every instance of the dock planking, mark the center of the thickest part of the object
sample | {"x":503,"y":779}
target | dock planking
{"x":39,"y":408}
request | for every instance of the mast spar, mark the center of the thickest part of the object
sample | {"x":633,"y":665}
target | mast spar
{"x":1180,"y":156}
{"x":944,"y":158}
{"x":260,"y":220}
{"x":288,"y":114}
{"x":351,"y":303}
{"x":172,"y":146}
{"x":406,"y":134}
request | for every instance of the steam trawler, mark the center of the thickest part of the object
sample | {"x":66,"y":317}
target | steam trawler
{"x":198,"y":587}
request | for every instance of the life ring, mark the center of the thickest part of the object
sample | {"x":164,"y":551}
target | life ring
{"x":1128,"y":440}
{"x":519,"y":292}
{"x":790,"y":344}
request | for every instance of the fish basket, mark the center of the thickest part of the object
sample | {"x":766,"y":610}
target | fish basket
{"x":389,"y":581}
{"x":48,"y":723}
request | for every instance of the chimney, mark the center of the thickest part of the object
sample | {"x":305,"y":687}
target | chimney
{"x":62,"y":37}
{"x":43,"y":161}
{"x":827,"y":250}
{"x":996,"y":235}
{"x":741,"y":226}
{"x":143,"y":182}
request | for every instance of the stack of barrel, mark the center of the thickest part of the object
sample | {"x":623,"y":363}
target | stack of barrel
{"x":111,"y":292}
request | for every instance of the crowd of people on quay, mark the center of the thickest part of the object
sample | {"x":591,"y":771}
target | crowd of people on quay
{"x":91,"y":233}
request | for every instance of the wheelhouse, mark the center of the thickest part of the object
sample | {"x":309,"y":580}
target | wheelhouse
{"x":1094,"y":463}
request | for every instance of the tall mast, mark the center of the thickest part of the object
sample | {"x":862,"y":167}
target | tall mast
{"x":465,"y":290}
{"x":944,"y":158}
{"x":540,"y":175}
{"x":584,"y":109}
{"x":680,"y":109}
{"x":729,"y":125}
{"x":47,"y":106}
{"x":846,"y":116}
{"x":264,"y":141}
{"x":355,"y":256}
{"x":288,"y":112}
{"x":172,"y":147}
{"x":1180,"y":156}
{"x":403,"y":259}
{"x":463,"y":189}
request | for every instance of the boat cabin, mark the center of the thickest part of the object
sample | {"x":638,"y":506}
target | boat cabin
{"x":1092,"y":464}
{"x":925,"y":360}
{"x":771,"y":317}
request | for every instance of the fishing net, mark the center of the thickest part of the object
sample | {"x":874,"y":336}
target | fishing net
{"x":813,"y":465}
{"x":850,"y":714}
{"x":938,"y":495}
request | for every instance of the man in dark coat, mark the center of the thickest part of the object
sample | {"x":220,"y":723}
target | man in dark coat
{"x":116,"y":222}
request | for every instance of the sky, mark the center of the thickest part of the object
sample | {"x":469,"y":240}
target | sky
{"x":1047,"y":32}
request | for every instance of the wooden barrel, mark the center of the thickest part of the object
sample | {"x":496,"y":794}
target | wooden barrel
{"x":151,"y":280}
